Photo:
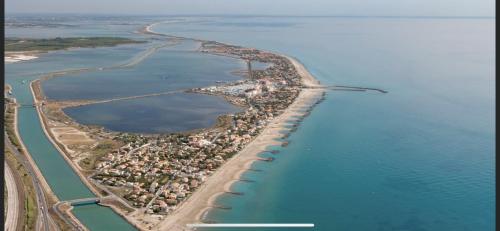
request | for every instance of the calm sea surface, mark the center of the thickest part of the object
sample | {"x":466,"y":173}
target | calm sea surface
{"x":418,"y":158}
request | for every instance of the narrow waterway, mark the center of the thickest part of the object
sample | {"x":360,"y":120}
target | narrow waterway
{"x":60,"y":176}
{"x":63,"y":181}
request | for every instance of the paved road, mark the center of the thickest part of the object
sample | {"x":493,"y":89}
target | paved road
{"x":12,"y":216}
{"x":43,"y":220}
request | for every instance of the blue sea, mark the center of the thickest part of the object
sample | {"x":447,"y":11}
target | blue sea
{"x":419,"y":158}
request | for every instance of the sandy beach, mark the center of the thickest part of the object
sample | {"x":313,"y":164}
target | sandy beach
{"x":307,"y":79}
{"x":12,"y":57}
{"x":193,"y":209}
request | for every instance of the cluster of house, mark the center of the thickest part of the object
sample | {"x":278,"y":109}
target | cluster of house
{"x":159,"y":172}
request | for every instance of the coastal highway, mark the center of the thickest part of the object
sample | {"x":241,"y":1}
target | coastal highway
{"x":44,"y":222}
{"x":12,"y":216}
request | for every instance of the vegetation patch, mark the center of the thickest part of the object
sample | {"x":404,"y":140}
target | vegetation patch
{"x":42,"y":45}
{"x":104,"y":147}
{"x":9,"y":125}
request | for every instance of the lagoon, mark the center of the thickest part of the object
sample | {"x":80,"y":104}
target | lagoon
{"x":177,"y":112}
{"x":418,"y":158}
{"x":168,"y":69}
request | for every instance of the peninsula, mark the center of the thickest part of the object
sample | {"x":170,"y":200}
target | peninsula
{"x":165,"y":181}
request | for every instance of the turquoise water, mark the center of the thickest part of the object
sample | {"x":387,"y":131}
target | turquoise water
{"x":418,"y":158}
{"x":61,"y":178}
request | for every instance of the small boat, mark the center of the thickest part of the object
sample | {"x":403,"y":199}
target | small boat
{"x":23,"y":82}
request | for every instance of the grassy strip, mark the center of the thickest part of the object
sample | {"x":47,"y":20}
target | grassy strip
{"x":42,"y":45}
{"x":9,"y":125}
{"x":30,"y":202}
{"x":104,"y":147}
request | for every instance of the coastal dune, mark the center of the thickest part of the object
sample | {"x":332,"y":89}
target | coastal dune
{"x":193,"y":209}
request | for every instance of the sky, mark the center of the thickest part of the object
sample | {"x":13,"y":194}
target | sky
{"x":260,"y":7}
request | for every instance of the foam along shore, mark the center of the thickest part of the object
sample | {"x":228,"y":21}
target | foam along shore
{"x":12,"y":57}
{"x":195,"y":207}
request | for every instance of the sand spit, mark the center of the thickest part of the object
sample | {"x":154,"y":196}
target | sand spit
{"x":196,"y":206}
{"x":193,"y":209}
{"x":13,"y":57}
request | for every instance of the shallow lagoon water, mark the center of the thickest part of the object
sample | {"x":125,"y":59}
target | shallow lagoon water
{"x":159,"y":114}
{"x":418,"y":158}
{"x":172,"y":68}
{"x":165,"y":70}
{"x":61,"y":178}
{"x":67,"y":25}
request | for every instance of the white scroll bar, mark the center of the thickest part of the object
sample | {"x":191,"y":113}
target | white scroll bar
{"x":252,"y":225}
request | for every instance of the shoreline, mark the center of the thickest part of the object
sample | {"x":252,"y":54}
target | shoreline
{"x":43,"y":122}
{"x":77,"y":171}
{"x":14,"y":57}
{"x":203,"y":199}
{"x":93,"y":188}
{"x":192,"y":209}
{"x":45,"y":195}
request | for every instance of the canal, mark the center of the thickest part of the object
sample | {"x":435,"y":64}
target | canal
{"x":63,"y":181}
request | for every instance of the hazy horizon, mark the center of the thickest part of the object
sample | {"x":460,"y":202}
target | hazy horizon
{"x":393,"y":8}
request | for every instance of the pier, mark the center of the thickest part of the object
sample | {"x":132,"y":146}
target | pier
{"x":350,"y":88}
{"x":249,"y":66}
